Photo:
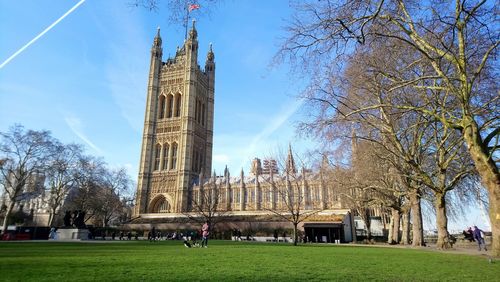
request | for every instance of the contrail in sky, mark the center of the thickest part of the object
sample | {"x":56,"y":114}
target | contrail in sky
{"x":42,"y":33}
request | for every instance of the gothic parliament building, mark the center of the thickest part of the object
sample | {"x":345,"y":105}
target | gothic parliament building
{"x":177,"y":152}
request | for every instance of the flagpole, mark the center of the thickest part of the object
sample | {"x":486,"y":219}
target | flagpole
{"x":186,"y":23}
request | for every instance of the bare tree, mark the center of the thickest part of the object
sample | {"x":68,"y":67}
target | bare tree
{"x":289,"y":193}
{"x":60,"y":175}
{"x":206,"y":201}
{"x":23,"y":153}
{"x":114,"y":183}
{"x":454,"y":51}
{"x":179,"y":11}
{"x":89,"y":178}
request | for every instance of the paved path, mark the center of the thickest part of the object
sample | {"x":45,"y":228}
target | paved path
{"x":462,"y":248}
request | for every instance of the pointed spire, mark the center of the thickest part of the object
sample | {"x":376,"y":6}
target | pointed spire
{"x":157,"y":40}
{"x":290,"y":162}
{"x":210,"y":54}
{"x":193,"y":34}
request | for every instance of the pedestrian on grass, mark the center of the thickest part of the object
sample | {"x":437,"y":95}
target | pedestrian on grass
{"x":479,"y":237}
{"x":204,"y":233}
{"x":153,"y":235}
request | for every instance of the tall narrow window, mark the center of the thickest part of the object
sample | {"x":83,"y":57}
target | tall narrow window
{"x":203,"y":114}
{"x":157,"y":156}
{"x":162,"y":107}
{"x":173,"y":161}
{"x":199,"y":112}
{"x":196,"y":111}
{"x":170,"y":105}
{"x":195,"y":161}
{"x":165,"y":156}
{"x":201,"y":161}
{"x":178,"y":104}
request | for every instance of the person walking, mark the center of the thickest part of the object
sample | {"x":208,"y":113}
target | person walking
{"x":204,"y":233}
{"x":479,"y":237}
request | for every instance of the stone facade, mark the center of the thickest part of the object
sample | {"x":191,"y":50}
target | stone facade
{"x":176,"y":156}
{"x":178,"y":127}
{"x":177,"y":148}
{"x":33,"y":200}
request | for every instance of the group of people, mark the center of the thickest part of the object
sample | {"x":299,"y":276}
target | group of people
{"x":475,"y":234}
{"x":192,"y":241}
{"x":122,"y":236}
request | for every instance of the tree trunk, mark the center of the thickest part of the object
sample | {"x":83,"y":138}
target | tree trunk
{"x":490,"y":178}
{"x":405,"y":236}
{"x":7,"y":215}
{"x":416,"y":216}
{"x":51,"y":217}
{"x":396,"y":216}
{"x":390,"y":239}
{"x":494,"y":198}
{"x":295,"y":237}
{"x":366,"y":219}
{"x":443,"y":241}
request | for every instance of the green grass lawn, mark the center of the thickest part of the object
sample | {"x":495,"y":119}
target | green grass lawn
{"x":233,"y":261}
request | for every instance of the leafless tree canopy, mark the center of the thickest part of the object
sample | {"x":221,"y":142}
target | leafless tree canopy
{"x":72,"y":180}
{"x":418,"y":78}
{"x":177,"y":10}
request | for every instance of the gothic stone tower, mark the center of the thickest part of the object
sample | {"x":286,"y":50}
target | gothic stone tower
{"x":178,"y":128}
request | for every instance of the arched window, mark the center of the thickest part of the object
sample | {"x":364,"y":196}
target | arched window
{"x":173,"y":161}
{"x":164,"y":207}
{"x":157,"y":156}
{"x":162,"y":107}
{"x":170,"y":105}
{"x":178,"y":104}
{"x":161,"y":205}
{"x":165,"y":156}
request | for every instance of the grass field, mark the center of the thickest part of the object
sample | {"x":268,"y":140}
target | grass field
{"x":233,"y":261}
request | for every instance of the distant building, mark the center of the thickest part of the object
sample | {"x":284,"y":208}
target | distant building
{"x":176,"y":159}
{"x":32,"y":200}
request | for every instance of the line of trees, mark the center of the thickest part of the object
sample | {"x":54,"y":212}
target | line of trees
{"x":418,"y":83}
{"x":73,"y":180}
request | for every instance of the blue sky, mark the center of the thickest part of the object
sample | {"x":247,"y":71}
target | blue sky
{"x":85,"y":79}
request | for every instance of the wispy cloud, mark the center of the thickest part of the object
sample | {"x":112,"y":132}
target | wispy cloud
{"x":41,"y":34}
{"x":221,"y":158}
{"x":274,"y":125}
{"x":76,"y":126}
{"x":127,"y":79}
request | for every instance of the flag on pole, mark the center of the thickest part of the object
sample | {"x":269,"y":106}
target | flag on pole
{"x":192,"y":7}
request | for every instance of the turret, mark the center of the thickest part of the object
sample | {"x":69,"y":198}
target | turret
{"x":242,"y":191}
{"x":156,"y":49}
{"x":192,"y":45}
{"x":210,"y":61}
